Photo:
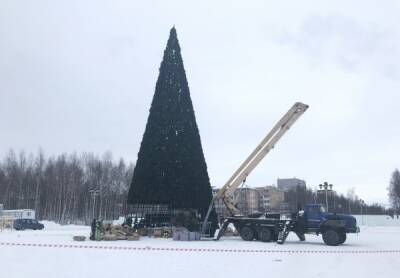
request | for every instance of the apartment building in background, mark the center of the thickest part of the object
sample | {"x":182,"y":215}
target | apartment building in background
{"x":270,"y":198}
{"x":292,"y":183}
{"x":257,"y":199}
{"x":247,"y":200}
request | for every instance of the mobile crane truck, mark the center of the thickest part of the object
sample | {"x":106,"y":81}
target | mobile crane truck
{"x":275,"y":227}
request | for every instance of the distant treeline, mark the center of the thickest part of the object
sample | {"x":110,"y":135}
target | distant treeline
{"x":350,"y":204}
{"x":60,"y":188}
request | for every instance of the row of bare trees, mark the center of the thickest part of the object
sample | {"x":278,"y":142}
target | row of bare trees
{"x":298,"y":197}
{"x":65,"y":188}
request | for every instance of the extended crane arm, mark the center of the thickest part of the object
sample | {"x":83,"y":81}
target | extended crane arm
{"x":226,"y":193}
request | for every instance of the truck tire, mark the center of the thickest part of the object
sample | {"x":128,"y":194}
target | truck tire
{"x":331,"y":237}
{"x":265,"y":235}
{"x":247,"y":233}
{"x":342,"y":237}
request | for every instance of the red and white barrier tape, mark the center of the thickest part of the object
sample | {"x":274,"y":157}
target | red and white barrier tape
{"x":75,"y":246}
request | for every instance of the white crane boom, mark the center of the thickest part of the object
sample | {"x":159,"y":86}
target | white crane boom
{"x":226,"y":193}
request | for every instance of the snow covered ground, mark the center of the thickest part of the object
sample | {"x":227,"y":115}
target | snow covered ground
{"x":360,"y":256}
{"x":377,"y":220}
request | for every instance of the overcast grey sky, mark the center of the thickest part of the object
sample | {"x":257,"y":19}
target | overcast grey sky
{"x":80,"y":75}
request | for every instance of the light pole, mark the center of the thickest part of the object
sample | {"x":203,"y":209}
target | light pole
{"x":362,"y":215}
{"x":325,"y":187}
{"x":94,"y":192}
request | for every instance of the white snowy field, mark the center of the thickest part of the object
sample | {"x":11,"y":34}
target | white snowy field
{"x":377,"y":220}
{"x":292,"y":259}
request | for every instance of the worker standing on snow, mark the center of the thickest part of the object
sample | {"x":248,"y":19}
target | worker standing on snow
{"x":300,"y":225}
{"x":92,"y":229}
{"x":99,"y":229}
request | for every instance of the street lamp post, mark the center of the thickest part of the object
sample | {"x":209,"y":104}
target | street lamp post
{"x":362,"y":215}
{"x":94,"y":192}
{"x":325,"y":187}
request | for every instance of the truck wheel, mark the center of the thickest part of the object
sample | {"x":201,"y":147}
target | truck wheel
{"x":247,"y":233}
{"x":342,"y":237}
{"x":331,"y":237}
{"x":265,"y":235}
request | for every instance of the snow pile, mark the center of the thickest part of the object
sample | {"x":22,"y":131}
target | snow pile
{"x":119,"y":221}
{"x":377,"y":220}
{"x":53,"y":226}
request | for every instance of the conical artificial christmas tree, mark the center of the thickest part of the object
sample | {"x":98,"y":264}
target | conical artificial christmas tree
{"x":171,"y":168}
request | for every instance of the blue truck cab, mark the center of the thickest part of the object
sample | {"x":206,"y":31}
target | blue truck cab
{"x":332,"y":226}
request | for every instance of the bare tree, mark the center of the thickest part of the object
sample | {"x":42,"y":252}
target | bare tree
{"x":58,"y":187}
{"x":394,"y":191}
